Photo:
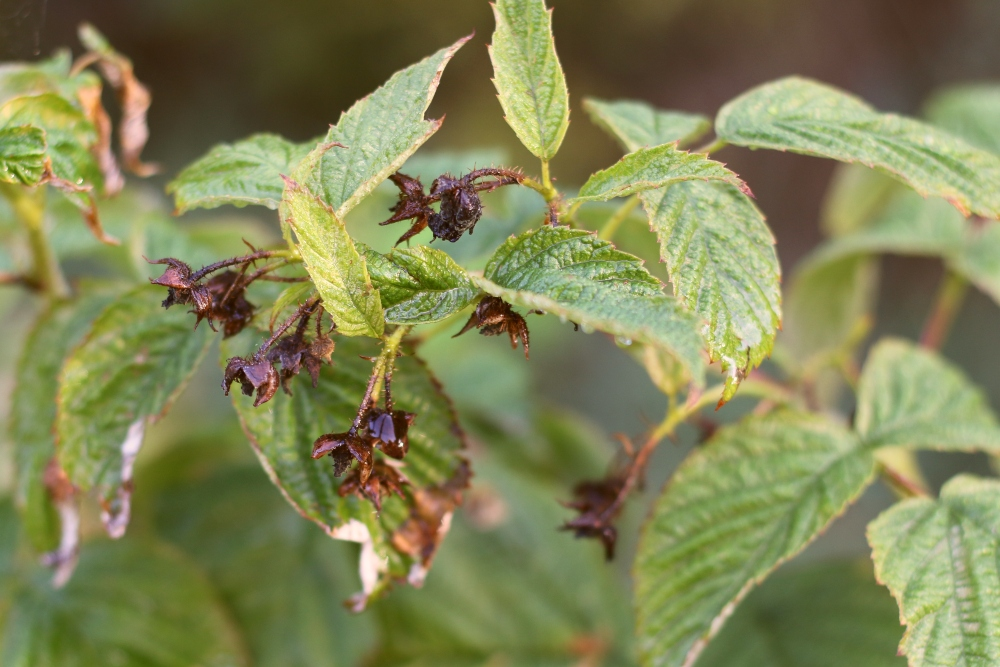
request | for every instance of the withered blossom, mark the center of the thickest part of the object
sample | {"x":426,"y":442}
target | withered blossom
{"x":599,"y":506}
{"x":460,"y":210}
{"x":229,"y":304}
{"x":252,"y":372}
{"x":294,"y":351}
{"x":383,"y":481}
{"x":388,"y":430}
{"x":494,"y":316}
{"x":183,"y":288}
{"x":344,"y":449}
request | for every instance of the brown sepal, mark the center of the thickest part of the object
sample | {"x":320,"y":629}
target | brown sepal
{"x":494,"y":316}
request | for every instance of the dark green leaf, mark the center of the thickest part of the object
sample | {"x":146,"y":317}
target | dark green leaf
{"x":807,"y":117}
{"x":33,"y":409}
{"x":283,"y":433}
{"x":971,"y":112}
{"x":378,"y":133}
{"x":637,"y":125}
{"x":528,"y":76}
{"x":910,"y":396}
{"x":129,"y":605}
{"x":720,"y":255}
{"x":652,"y":168}
{"x":828,"y":615}
{"x":746,"y":501}
{"x":22,"y":154}
{"x":247,"y":172}
{"x":419,"y":285}
{"x":134,"y":362}
{"x":573,"y":274}
{"x":939,"y":560}
{"x":338,"y":271}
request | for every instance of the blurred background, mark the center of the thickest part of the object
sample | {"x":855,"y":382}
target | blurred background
{"x":220,"y":70}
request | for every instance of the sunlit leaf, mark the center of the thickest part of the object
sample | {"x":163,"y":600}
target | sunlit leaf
{"x":749,"y":499}
{"x":134,"y":362}
{"x":530,"y":82}
{"x":638,"y":125}
{"x":807,"y":117}
{"x":22,"y":154}
{"x":938,"y":559}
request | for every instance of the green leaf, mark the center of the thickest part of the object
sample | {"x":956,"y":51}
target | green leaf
{"x":911,"y":396}
{"x":979,"y":259}
{"x":807,"y":117}
{"x":938,"y":559}
{"x":573,"y":274}
{"x":22,"y":154}
{"x":247,"y":172}
{"x":236,"y":526}
{"x":289,"y":301}
{"x":720,"y":255}
{"x":748,"y":500}
{"x":855,"y":196}
{"x":419,"y":285}
{"x":530,"y":82}
{"x":338,"y":271}
{"x":378,"y":133}
{"x":129,"y":605}
{"x":33,"y":409}
{"x":53,"y":75}
{"x":283,"y":433}
{"x":828,"y":614}
{"x":652,"y":168}
{"x":971,"y":112}
{"x":135,"y":361}
{"x":638,"y":125}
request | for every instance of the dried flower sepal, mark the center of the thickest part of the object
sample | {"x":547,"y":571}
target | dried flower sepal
{"x":494,"y":316}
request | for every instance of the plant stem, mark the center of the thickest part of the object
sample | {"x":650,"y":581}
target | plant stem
{"x":708,"y":149}
{"x":383,"y":367}
{"x":29,"y":207}
{"x":949,"y":300}
{"x":546,"y":178}
{"x":617,"y":218}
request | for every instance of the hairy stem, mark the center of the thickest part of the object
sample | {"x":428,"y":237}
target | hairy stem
{"x":29,"y":207}
{"x":382,"y":370}
{"x":308,"y":307}
{"x":617,"y":218}
{"x":245,"y":259}
{"x":950,"y":296}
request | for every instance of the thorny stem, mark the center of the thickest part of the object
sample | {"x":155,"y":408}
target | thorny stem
{"x":617,"y":218}
{"x":29,"y":207}
{"x":306,"y":308}
{"x":949,"y":300}
{"x":232,"y":261}
{"x":381,"y":371}
{"x":907,"y":487}
{"x":708,"y":149}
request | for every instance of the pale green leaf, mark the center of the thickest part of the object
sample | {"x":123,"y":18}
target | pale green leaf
{"x":530,"y":82}
{"x":246,"y":172}
{"x":573,"y":274}
{"x":283,"y":432}
{"x":135,"y":361}
{"x":979,"y":260}
{"x":749,"y":499}
{"x":828,"y":615}
{"x":22,"y":154}
{"x":129,"y":605}
{"x":652,"y":168}
{"x":53,"y":75}
{"x":720,"y":255}
{"x":419,"y":285}
{"x":911,"y":396}
{"x":855,"y":196}
{"x":971,"y":112}
{"x":33,"y":409}
{"x":939,"y":560}
{"x":338,"y":271}
{"x":378,"y":133}
{"x":807,"y":117}
{"x":638,"y":125}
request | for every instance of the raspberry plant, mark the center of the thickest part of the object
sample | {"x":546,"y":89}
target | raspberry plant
{"x":367,"y":444}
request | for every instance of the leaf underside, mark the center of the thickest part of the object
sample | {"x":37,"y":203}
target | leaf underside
{"x":638,"y":125}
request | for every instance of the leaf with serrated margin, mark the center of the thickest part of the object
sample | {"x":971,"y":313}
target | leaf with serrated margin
{"x":282,"y":435}
{"x":96,"y":619}
{"x":939,"y":560}
{"x":748,"y":500}
{"x":638,"y":125}
{"x":971,"y":112}
{"x":911,"y":396}
{"x":827,"y":614}
{"x":136,"y":359}
{"x":33,"y":409}
{"x":720,"y":255}
{"x":338,"y":271}
{"x":22,"y":154}
{"x":811,"y":118}
{"x":573,"y":274}
{"x":652,"y":168}
{"x":378,"y":134}
{"x":529,"y":80}
{"x":246,"y":172}
{"x":419,"y":285}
